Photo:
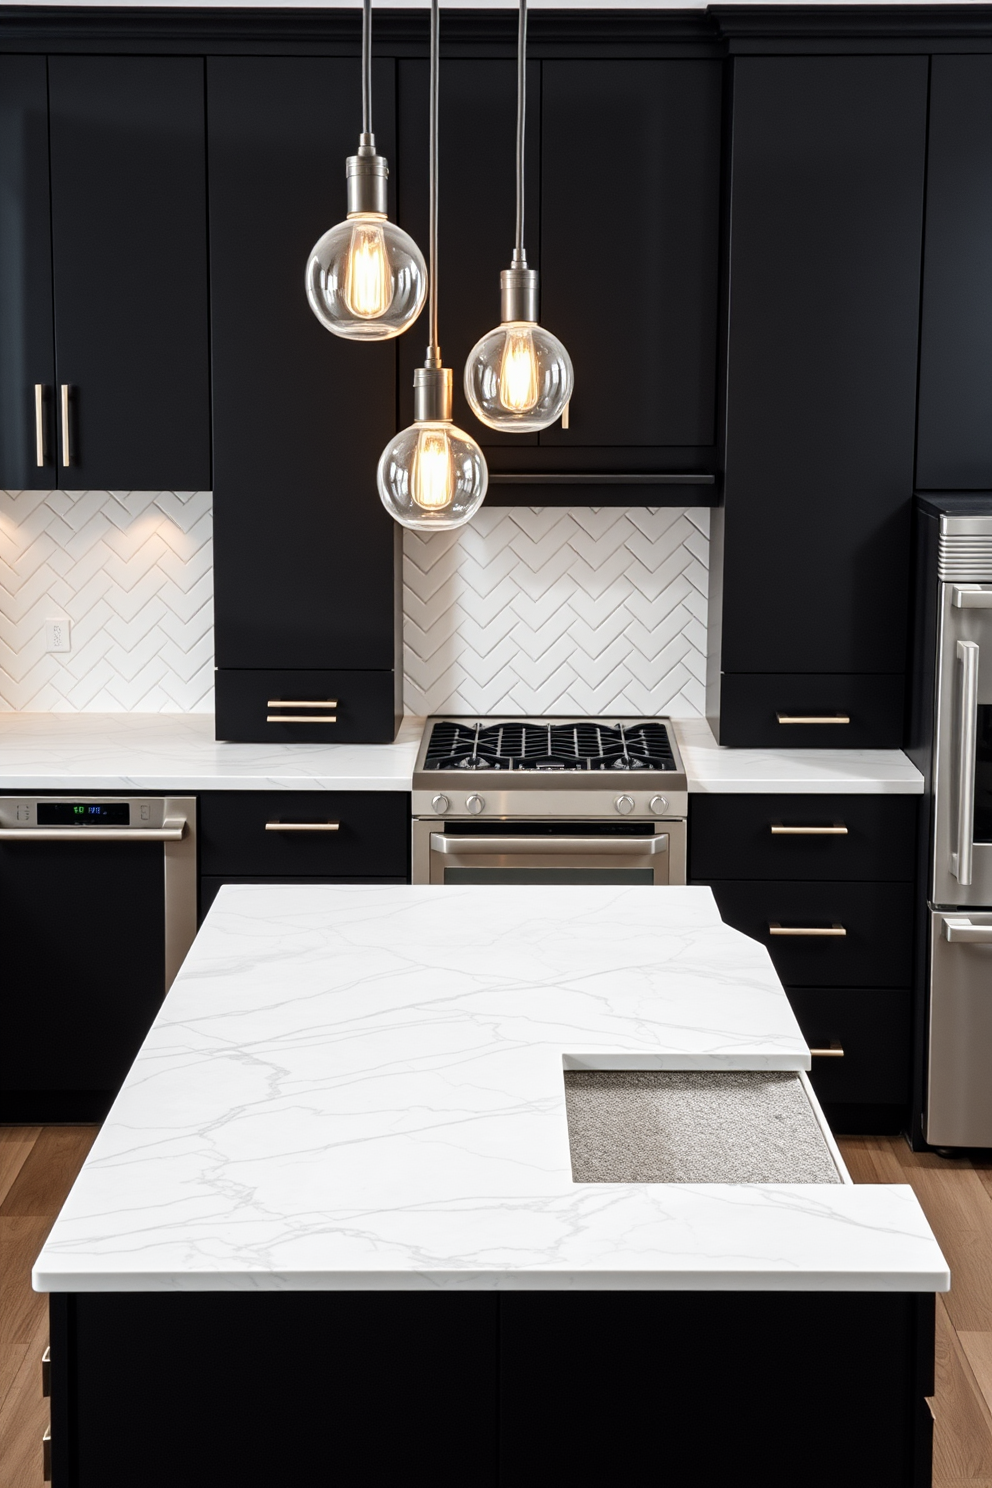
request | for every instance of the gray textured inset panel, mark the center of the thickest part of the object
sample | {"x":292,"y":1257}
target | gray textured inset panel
{"x":693,"y":1126}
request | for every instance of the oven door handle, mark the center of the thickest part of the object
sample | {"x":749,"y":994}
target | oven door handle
{"x":621,"y":847}
{"x":961,"y":928}
{"x":961,"y":861}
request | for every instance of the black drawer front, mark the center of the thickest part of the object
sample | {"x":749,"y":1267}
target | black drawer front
{"x":372,"y":837}
{"x":734,"y":837}
{"x":751,"y":706}
{"x":875,"y":951}
{"x":306,"y":707}
{"x":210,"y":887}
{"x":873,"y":1026}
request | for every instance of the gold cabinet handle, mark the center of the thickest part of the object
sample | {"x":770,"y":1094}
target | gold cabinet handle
{"x":65,"y":425}
{"x":834,"y":1052}
{"x":813,"y":717}
{"x":46,"y":1455}
{"x":564,"y":414}
{"x":46,"y":1371}
{"x":837,"y":830}
{"x":315,"y":717}
{"x":327,"y":826}
{"x":41,"y":454}
{"x":775,"y":929}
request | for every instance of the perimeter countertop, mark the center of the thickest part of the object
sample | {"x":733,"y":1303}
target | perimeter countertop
{"x":178,"y":752}
{"x":354,"y":1087}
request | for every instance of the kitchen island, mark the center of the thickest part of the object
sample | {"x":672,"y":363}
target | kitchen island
{"x":330,"y":1227}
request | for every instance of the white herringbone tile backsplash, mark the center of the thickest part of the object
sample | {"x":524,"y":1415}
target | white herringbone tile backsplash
{"x":542,"y":610}
{"x":133,"y":573}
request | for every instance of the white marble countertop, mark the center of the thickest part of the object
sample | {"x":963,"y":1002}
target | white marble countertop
{"x":177,"y":751}
{"x":715,"y":769}
{"x":361,"y":1087}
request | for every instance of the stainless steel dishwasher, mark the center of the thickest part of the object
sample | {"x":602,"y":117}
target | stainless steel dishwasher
{"x":98,"y":906}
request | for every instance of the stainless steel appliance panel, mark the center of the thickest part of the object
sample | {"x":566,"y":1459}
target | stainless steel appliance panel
{"x":962,"y":857}
{"x":590,"y":852}
{"x":959,"y":1080}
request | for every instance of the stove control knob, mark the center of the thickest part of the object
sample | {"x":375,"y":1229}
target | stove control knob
{"x":659,"y":805}
{"x":475,"y":804}
{"x":440,"y":804}
{"x":624,"y":804}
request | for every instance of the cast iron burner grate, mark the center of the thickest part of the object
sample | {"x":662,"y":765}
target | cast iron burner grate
{"x":553,"y":747}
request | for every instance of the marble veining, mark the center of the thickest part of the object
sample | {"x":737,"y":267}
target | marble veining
{"x":358,"y":1086}
{"x":175,"y":751}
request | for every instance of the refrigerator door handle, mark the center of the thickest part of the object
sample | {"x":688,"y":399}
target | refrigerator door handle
{"x":961,"y":861}
{"x":972,"y":596}
{"x":960,"y":928}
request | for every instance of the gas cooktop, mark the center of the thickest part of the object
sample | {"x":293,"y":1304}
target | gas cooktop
{"x":525,"y":744}
{"x":516,"y":761}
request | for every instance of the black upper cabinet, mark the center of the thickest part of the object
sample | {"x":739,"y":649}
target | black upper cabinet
{"x":27,"y":346}
{"x":304,"y":549}
{"x":630,"y":217}
{"x":811,"y":568}
{"x":954,"y":449}
{"x":622,"y":220}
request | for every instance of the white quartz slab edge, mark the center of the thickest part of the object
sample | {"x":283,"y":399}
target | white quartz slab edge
{"x":361,"y":1086}
{"x":178,"y":752}
{"x":712,"y":768}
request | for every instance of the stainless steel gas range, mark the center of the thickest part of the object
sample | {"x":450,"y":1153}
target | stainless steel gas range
{"x":549,"y":801}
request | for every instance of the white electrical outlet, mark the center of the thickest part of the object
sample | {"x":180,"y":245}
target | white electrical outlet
{"x":57,"y":634}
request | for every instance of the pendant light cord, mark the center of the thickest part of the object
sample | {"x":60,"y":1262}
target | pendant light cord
{"x":519,"y":256}
{"x":367,"y":70}
{"x":434,"y":350}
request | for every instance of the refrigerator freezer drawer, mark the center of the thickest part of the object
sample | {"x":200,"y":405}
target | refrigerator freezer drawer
{"x":959,"y":1085}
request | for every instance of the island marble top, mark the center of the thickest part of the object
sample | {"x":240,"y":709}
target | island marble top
{"x":362,"y":1087}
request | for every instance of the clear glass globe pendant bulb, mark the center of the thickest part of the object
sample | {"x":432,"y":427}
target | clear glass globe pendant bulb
{"x":518,"y":378}
{"x":432,"y":475}
{"x":366,"y":279}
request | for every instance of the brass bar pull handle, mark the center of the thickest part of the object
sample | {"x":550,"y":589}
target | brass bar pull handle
{"x":837,"y":830}
{"x":813,"y":717}
{"x":818,"y":930}
{"x":66,"y":450}
{"x":834,"y":1052}
{"x":300,"y":718}
{"x":301,"y":703}
{"x":41,"y":453}
{"x":46,"y":1371}
{"x":303,"y":826}
{"x":961,"y":861}
{"x":564,"y":414}
{"x":46,"y":1455}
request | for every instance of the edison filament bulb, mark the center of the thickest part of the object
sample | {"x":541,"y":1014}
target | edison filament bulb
{"x":366,"y":279}
{"x":432,"y":475}
{"x":518,"y":377}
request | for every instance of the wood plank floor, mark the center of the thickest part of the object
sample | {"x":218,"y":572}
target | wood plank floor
{"x":38,"y":1166}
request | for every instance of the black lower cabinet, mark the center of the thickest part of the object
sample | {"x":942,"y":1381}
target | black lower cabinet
{"x":83,"y":973}
{"x":507,"y":1390}
{"x":861,"y":1040}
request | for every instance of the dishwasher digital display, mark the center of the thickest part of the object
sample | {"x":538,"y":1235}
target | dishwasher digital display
{"x":84,"y":814}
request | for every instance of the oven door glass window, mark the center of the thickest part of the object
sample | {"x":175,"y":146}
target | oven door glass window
{"x":549,"y":875}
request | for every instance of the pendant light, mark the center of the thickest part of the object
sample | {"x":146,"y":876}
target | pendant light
{"x":432,"y":475}
{"x":366,"y":278}
{"x":519,"y":377}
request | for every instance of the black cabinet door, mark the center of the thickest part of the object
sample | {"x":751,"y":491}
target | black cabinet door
{"x":954,"y":450}
{"x":304,"y":551}
{"x":129,"y":246}
{"x":27,"y":352}
{"x":826,"y":234}
{"x":630,"y":207}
